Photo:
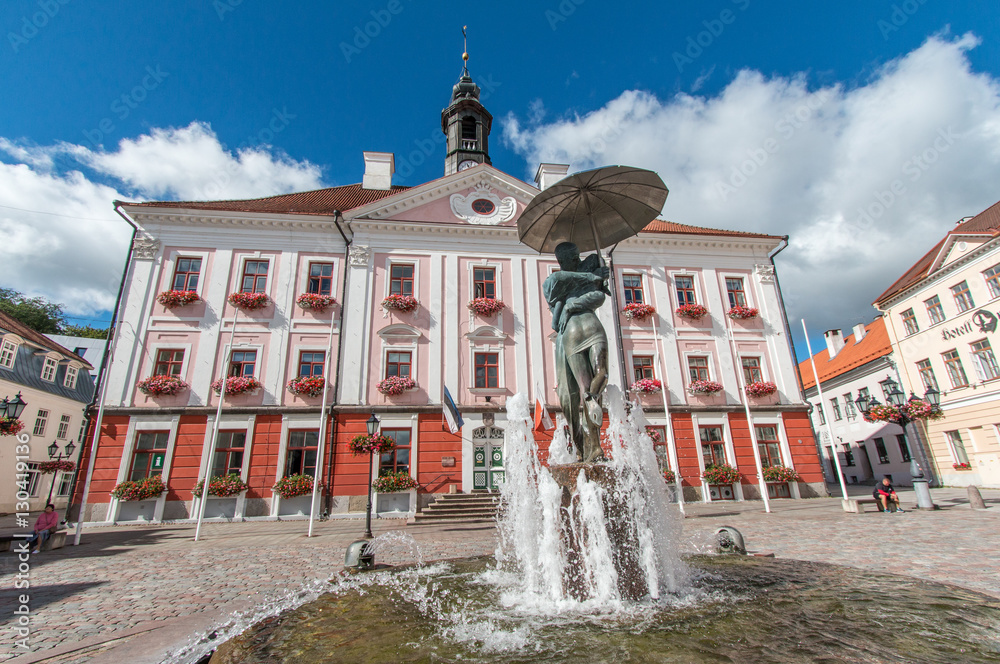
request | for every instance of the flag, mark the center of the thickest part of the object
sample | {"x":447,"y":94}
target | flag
{"x":451,"y":414}
{"x":542,"y":420}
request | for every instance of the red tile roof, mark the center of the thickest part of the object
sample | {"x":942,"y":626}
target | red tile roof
{"x":873,"y":345}
{"x":20,"y":329}
{"x":663,"y":226}
{"x":319,"y":201}
{"x":986,"y":222}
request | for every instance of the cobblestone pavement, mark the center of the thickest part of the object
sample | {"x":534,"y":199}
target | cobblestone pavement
{"x":153,"y":585}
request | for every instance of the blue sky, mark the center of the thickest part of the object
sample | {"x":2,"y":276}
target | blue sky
{"x":726,"y":72}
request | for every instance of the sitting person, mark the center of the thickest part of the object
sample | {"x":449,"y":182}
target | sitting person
{"x":46,"y":524}
{"x":886,"y":495}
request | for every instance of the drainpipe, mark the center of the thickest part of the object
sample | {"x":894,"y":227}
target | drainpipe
{"x":337,"y":217}
{"x":100,"y":388}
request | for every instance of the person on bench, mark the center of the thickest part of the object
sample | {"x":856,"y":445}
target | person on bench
{"x":886,"y":495}
{"x":46,"y":524}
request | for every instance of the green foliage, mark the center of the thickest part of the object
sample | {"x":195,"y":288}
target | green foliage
{"x":84,"y":331}
{"x":35,"y":312}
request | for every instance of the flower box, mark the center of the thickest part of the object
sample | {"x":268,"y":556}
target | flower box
{"x":293,"y":486}
{"x":694,"y":311}
{"x":237,"y":385}
{"x":307,"y":386}
{"x":654,"y":435}
{"x":48,"y":467}
{"x":10,"y":426}
{"x":638,"y":311}
{"x":962,"y":466}
{"x":161,"y":385}
{"x":394,"y":482}
{"x":402,"y":303}
{"x":647,"y":386}
{"x":761,"y":388}
{"x":177,"y":298}
{"x":395,"y":385}
{"x":222,"y":486}
{"x":315,"y":302}
{"x":375,"y":444}
{"x":721,"y":474}
{"x":151,"y":487}
{"x":780,"y":474}
{"x":742,"y":313}
{"x":486,"y":306}
{"x":704,"y":387}
{"x":249,"y":301}
{"x":669,"y":476}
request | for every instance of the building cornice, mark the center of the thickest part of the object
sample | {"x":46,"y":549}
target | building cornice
{"x":933,"y":278}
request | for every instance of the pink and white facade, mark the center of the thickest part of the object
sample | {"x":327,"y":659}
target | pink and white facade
{"x":444,"y":243}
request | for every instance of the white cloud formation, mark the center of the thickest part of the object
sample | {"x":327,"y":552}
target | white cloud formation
{"x":864,"y":179}
{"x":74,"y":249}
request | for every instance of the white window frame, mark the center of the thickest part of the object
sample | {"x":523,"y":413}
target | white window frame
{"x":154,"y":353}
{"x":706,"y":420}
{"x":228,"y":351}
{"x":72,"y":375}
{"x":953,"y":451}
{"x":699,"y":291}
{"x":62,"y":429}
{"x":497,"y":283}
{"x":45,"y":422}
{"x":170,"y":266}
{"x":765,"y":375}
{"x":699,"y":353}
{"x":9,"y":347}
{"x":34,"y":479}
{"x":50,"y":364}
{"x":410,"y":346}
{"x":630,"y":355}
{"x":978,"y":364}
{"x":256,"y":256}
{"x":305,"y":260}
{"x":390,"y":261}
{"x":930,"y":317}
{"x":643,"y":283}
{"x":747,"y":291}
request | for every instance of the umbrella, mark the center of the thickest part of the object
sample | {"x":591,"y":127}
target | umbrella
{"x":593,"y":209}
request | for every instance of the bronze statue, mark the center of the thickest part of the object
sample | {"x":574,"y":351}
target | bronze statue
{"x":574,"y":294}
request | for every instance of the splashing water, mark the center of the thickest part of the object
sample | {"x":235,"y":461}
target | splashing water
{"x":622,"y":526}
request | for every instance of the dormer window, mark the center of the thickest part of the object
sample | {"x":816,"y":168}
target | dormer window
{"x":8,"y":353}
{"x":49,"y":369}
{"x":71,"y":375}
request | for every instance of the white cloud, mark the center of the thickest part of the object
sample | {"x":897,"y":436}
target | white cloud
{"x":74,"y":252}
{"x":772,"y":155}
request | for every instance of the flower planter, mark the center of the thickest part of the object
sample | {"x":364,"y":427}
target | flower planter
{"x":236,"y":385}
{"x":654,"y":435}
{"x":293,"y":486}
{"x":48,"y":467}
{"x":307,"y":386}
{"x":374,"y":444}
{"x":395,"y":385}
{"x":249,"y":301}
{"x":10,"y":426}
{"x":161,"y":386}
{"x":222,"y":486}
{"x":638,"y":312}
{"x":742,"y":313}
{"x":962,"y":466}
{"x":761,"y":389}
{"x":486,"y":306}
{"x":647,"y":386}
{"x":692,"y":311}
{"x":778,"y":490}
{"x":403,"y":303}
{"x":722,"y":474}
{"x":394,"y":482}
{"x":780,"y":474}
{"x":144,"y":489}
{"x":705,"y":387}
{"x":669,"y":477}
{"x":177,"y":298}
{"x":315,"y":302}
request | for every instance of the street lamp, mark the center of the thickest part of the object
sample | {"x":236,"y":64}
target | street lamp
{"x":12,"y":408}
{"x":897,"y":398}
{"x":53,"y":449}
{"x":372,"y":424}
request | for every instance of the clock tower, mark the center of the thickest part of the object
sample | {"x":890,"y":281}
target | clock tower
{"x":466,"y":124}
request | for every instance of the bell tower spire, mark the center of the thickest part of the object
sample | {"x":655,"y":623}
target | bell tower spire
{"x":465,"y":122}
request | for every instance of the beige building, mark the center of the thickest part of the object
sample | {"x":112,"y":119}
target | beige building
{"x":942,"y":319}
{"x":57,"y":387}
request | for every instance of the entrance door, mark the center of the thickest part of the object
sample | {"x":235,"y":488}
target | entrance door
{"x":487,"y":459}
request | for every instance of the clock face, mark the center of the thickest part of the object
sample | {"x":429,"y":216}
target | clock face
{"x":468,"y":163}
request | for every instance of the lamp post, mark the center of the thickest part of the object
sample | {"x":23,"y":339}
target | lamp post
{"x":897,"y":398}
{"x":372,"y":424}
{"x":12,"y":408}
{"x":53,"y":448}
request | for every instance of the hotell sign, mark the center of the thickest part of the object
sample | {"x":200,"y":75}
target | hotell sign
{"x":984,"y":320}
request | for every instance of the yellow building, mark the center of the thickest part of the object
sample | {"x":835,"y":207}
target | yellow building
{"x":942,"y":318}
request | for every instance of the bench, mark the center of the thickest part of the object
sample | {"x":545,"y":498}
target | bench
{"x":857,"y":505}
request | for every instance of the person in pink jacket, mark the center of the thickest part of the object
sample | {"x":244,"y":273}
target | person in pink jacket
{"x":45,"y":525}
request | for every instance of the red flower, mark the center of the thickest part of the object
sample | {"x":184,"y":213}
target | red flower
{"x":647,"y":386}
{"x":669,"y":476}
{"x":10,"y":426}
{"x":47,"y":467}
{"x":222,"y":486}
{"x":704,"y":387}
{"x":393,"y":386}
{"x":780,"y":474}
{"x":315,"y":301}
{"x":161,"y":385}
{"x":486,"y":306}
{"x":742,"y":312}
{"x":376,"y":444}
{"x":249,"y":301}
{"x":761,"y":388}
{"x":721,"y":474}
{"x":237,"y":385}
{"x":638,"y":311}
{"x":695,"y":311}
{"x":307,"y":386}
{"x":393,"y":482}
{"x":400,"y":302}
{"x":177,"y":298}
{"x":295,"y":485}
{"x":151,"y":487}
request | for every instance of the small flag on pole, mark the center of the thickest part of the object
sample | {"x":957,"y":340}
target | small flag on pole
{"x":451,"y":414}
{"x":542,"y":420}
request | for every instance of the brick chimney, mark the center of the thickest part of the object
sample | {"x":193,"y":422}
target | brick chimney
{"x":379,"y":167}
{"x":834,"y":341}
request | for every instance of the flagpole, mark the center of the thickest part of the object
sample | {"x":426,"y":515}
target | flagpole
{"x":322,"y":425}
{"x":215,"y":425}
{"x":669,"y":428}
{"x":826,"y":419}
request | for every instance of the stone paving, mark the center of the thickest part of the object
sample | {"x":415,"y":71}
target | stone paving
{"x":134,"y":593}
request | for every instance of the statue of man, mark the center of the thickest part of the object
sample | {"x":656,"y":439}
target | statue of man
{"x":574,"y":294}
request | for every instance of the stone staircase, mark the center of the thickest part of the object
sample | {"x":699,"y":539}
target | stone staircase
{"x":460,"y":508}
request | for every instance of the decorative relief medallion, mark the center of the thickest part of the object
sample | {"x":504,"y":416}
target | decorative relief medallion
{"x":765,"y":273}
{"x":483,"y":207}
{"x":145,"y":247}
{"x":359,"y":255}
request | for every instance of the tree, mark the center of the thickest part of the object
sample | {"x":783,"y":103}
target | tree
{"x":35,"y":312}
{"x":84,"y":331}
